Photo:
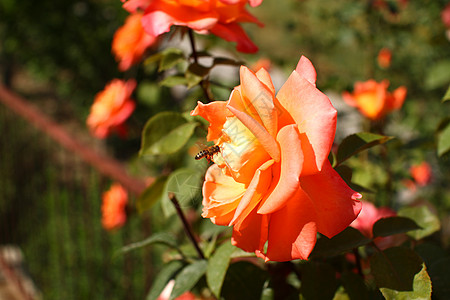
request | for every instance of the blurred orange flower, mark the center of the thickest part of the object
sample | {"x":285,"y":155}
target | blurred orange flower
{"x":130,"y":42}
{"x":384,"y":58}
{"x":373,"y":100}
{"x":113,"y":207}
{"x":421,"y":173}
{"x":272,"y":180}
{"x":219,"y":17}
{"x":111,"y":108}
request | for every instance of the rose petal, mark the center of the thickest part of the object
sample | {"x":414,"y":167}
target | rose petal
{"x":264,"y":138}
{"x":306,"y":69}
{"x":215,"y":113}
{"x":315,"y":116}
{"x":336,"y":204}
{"x":233,"y":32}
{"x":221,"y":195}
{"x":291,"y":168}
{"x":257,"y":95}
{"x":253,"y":233}
{"x":264,"y":76}
{"x":292,"y":230}
{"x":254,"y":193}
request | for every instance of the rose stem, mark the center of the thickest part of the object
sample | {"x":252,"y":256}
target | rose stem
{"x":186,"y":226}
{"x":203,"y":84}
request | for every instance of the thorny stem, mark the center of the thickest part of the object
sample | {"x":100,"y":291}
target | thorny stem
{"x":204,"y":83}
{"x":186,"y":226}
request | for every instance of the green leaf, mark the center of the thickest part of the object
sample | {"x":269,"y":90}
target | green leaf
{"x":174,"y":80}
{"x":165,"y":133}
{"x":438,"y":74}
{"x":443,"y":143}
{"x":170,"y":57}
{"x":195,"y":74}
{"x":160,"y":282}
{"x":157,"y":238}
{"x":318,"y":280}
{"x":395,"y":268}
{"x":354,"y":286}
{"x":217,"y":267}
{"x":393,"y":225}
{"x":422,"y":215}
{"x":244,"y":281}
{"x":447,"y":95}
{"x":421,"y":288}
{"x":348,"y":239}
{"x":186,"y":185}
{"x":151,"y":195}
{"x":227,"y":61}
{"x":358,"y":142}
{"x":188,"y":277}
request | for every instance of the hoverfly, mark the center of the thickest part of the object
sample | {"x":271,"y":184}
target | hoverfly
{"x":208,"y":153}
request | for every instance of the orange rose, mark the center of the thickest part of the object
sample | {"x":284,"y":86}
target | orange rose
{"x":113,"y":207}
{"x":130,"y":42}
{"x":421,"y":173}
{"x":111,"y":108}
{"x":272,"y":180}
{"x":384,"y":58}
{"x":373,"y":100}
{"x":219,"y":17}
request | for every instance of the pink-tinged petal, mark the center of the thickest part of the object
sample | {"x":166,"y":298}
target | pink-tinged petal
{"x":261,"y":98}
{"x":215,"y":113}
{"x":306,"y":69}
{"x":254,"y":193}
{"x":157,"y":22}
{"x":221,"y":195}
{"x":292,"y":230}
{"x":233,"y":32}
{"x":264,"y":76}
{"x":255,"y":3}
{"x":291,"y":168}
{"x":315,"y":117}
{"x":253,"y":233}
{"x":336,"y":204}
{"x":264,"y":138}
{"x":133,"y":6}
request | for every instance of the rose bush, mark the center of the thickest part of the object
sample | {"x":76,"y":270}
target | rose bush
{"x":373,"y":100}
{"x":131,"y":41}
{"x":272,"y":180}
{"x":219,"y":17}
{"x":111,"y":108}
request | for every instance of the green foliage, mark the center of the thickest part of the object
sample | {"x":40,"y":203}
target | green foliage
{"x":428,"y":222}
{"x":421,"y":288}
{"x":158,"y":238}
{"x":188,"y":277}
{"x":395,"y":268}
{"x":393,"y":225}
{"x":246,"y":278}
{"x":218,"y":266}
{"x":358,"y":142}
{"x":165,"y":133}
{"x":151,"y":195}
{"x":318,"y":281}
{"x":163,"y":277}
{"x":348,"y":239}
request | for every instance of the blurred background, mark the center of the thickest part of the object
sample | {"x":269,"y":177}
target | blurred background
{"x":57,"y":56}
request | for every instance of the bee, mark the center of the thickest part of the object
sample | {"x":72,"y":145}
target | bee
{"x":208,"y":153}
